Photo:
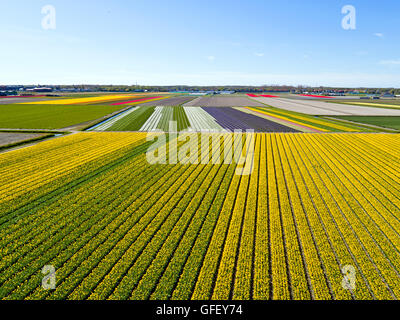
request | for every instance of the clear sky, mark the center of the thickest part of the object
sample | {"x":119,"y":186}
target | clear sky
{"x":208,"y":42}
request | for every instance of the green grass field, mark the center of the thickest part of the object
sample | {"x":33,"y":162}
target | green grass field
{"x":383,"y":103}
{"x":133,"y":121}
{"x":24,"y":116}
{"x":381,"y":121}
{"x":181,"y":118}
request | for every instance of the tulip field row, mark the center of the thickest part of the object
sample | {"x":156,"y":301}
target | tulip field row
{"x":147,"y":119}
{"x":115,"y":227}
{"x":101,"y":99}
{"x":302,"y":121}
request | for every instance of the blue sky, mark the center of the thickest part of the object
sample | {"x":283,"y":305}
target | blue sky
{"x":219,"y":42}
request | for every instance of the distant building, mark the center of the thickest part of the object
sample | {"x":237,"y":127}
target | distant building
{"x":43,"y":89}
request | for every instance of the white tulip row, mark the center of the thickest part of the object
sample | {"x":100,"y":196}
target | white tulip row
{"x":152,"y":122}
{"x":104,"y":126}
{"x":200,"y":120}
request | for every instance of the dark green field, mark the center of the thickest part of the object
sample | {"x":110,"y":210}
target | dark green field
{"x":24,"y":116}
{"x":133,"y":121}
{"x":381,"y":121}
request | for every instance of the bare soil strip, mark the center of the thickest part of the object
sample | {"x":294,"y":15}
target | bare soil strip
{"x":169,"y":102}
{"x":312,"y":107}
{"x":21,"y":100}
{"x":11,"y":138}
{"x":223,"y":102}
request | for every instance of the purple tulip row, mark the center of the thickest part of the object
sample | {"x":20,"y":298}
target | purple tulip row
{"x":232,"y":119}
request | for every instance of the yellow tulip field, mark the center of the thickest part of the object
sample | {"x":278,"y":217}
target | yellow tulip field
{"x":317,"y":218}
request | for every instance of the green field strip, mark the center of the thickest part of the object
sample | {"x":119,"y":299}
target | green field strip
{"x":133,"y":121}
{"x":36,"y":116}
{"x":379,"y":123}
{"x":167,"y":115}
{"x":181,"y":118}
{"x":367,"y":128}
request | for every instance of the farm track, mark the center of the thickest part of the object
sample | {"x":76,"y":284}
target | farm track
{"x":116,"y":227}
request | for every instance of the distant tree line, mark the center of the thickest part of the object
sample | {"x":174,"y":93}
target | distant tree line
{"x":254,"y":89}
{"x":180,"y":88}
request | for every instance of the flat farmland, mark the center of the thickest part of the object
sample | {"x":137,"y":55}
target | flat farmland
{"x":22,"y":100}
{"x":116,"y":227}
{"x":306,"y":123}
{"x":168,"y":102}
{"x":133,"y":101}
{"x":389,"y":104}
{"x":38,"y":116}
{"x":90,"y":100}
{"x":147,"y":118}
{"x":316,"y":107}
{"x":7,"y":138}
{"x":386,"y":122}
{"x":223,"y":102}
